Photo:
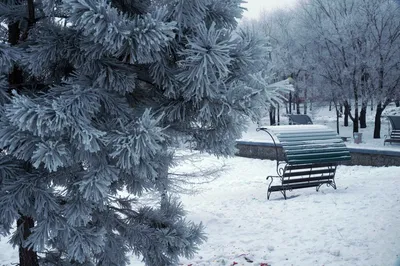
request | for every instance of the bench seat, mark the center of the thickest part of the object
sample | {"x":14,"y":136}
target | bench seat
{"x":394,"y":137}
{"x":392,"y":140}
{"x":301,"y":185}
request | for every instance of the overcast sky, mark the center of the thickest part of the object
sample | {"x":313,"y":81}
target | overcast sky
{"x":255,"y":6}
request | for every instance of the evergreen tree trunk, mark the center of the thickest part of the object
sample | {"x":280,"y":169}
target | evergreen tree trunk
{"x":15,"y":77}
{"x":27,"y":257}
{"x":363,"y":115}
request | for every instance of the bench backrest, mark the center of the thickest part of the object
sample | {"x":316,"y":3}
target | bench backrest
{"x":394,"y":121}
{"x":310,"y":144}
{"x":299,"y":120}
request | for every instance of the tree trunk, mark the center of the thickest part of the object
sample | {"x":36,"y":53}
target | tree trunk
{"x":377,"y":127}
{"x":298,"y":107}
{"x":372,"y":104}
{"x":347,"y":111}
{"x":272,"y":120}
{"x":363,"y":115}
{"x":278,"y":115}
{"x":305,"y":101}
{"x":15,"y":78}
{"x":397,"y":102}
{"x":356,"y":118}
{"x":305,"y":107}
{"x":330,"y":105}
{"x":294,"y":100}
{"x":337,"y":120}
{"x":378,"y":114}
{"x":27,"y":257}
{"x":379,"y":107}
{"x":290,"y":102}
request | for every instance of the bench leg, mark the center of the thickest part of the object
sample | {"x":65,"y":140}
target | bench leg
{"x":269,"y":186}
{"x":332,"y":184}
{"x":319,"y":186}
{"x":284,"y":193}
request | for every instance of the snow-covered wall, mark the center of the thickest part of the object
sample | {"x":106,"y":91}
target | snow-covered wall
{"x":359,"y":156}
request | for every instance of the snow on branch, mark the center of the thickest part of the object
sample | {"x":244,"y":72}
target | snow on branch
{"x":136,"y":40}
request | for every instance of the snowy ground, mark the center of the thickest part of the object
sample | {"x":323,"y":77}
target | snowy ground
{"x":356,"y":225}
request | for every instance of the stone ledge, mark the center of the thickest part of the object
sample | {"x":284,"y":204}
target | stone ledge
{"x":359,"y":156}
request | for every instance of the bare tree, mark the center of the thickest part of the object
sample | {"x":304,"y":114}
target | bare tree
{"x":288,"y":55}
{"x":335,"y":34}
{"x":383,"y":64}
{"x":345,"y":50}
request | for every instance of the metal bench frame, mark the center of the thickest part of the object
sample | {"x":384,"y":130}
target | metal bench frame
{"x":312,"y":169}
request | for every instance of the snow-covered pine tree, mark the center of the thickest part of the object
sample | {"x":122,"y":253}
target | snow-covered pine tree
{"x":95,"y":96}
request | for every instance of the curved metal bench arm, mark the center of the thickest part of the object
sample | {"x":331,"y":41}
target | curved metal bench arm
{"x":279,"y":170}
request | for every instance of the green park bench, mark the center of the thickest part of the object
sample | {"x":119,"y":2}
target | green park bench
{"x":395,"y":133}
{"x":311,"y":156}
{"x":299,"y":119}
